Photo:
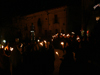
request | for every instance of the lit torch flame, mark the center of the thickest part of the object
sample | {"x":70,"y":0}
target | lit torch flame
{"x":60,"y":33}
{"x":38,"y":40}
{"x":77,"y":38}
{"x":62,"y":43}
{"x":73,"y":33}
{"x":67,"y":35}
{"x":57,"y":53}
{"x":63,"y":34}
{"x":44,"y":41}
{"x":6,"y":48}
{"x":41,"y":43}
{"x":11,"y":49}
{"x":2,"y":46}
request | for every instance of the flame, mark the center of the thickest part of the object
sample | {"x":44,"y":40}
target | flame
{"x":6,"y":48}
{"x":67,"y":35}
{"x":60,"y":33}
{"x":62,"y":43}
{"x":38,"y":40}
{"x":2,"y":46}
{"x":44,"y":41}
{"x":57,"y":53}
{"x":41,"y":43}
{"x":63,"y":34}
{"x":11,"y":49}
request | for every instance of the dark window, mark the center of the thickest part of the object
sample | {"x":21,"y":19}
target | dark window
{"x":26,"y":27}
{"x":56,"y":30}
{"x":15,"y":21}
{"x":56,"y":19}
{"x":63,"y":23}
{"x":45,"y":32}
{"x":39,"y":22}
{"x":50,"y":31}
{"x":46,"y":18}
{"x":47,"y":13}
{"x":62,"y":31}
{"x":32,"y":26}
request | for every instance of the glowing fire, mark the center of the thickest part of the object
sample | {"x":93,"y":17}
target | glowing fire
{"x":44,"y":41}
{"x":2,"y":46}
{"x":6,"y":48}
{"x":67,"y":35}
{"x":57,"y":53}
{"x":62,"y":43}
{"x":11,"y":49}
{"x":41,"y":43}
{"x":38,"y":40}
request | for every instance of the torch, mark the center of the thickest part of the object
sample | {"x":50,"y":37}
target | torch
{"x":62,"y":43}
{"x":57,"y":53}
{"x":11,"y":49}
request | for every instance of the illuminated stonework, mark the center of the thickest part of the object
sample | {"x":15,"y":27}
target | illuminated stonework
{"x":45,"y":22}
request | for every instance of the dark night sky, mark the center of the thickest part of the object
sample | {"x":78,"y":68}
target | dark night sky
{"x":10,"y":8}
{"x":20,"y":7}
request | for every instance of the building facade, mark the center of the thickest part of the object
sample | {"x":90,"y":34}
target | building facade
{"x":43,"y":23}
{"x":90,"y":16}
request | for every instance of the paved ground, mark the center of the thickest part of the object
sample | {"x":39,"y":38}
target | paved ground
{"x":57,"y":61}
{"x":90,"y":66}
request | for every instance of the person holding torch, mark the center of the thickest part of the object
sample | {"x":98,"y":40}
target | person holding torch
{"x":62,"y":43}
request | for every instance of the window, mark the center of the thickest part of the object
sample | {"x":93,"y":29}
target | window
{"x":26,"y":27}
{"x":45,"y":32}
{"x":46,"y":18}
{"x":56,"y":30}
{"x":32,"y":26}
{"x":63,"y":23}
{"x":62,"y":31}
{"x":56,"y":19}
{"x":50,"y":31}
{"x":39,"y":22}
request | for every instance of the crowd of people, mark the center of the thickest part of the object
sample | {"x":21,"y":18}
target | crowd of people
{"x":32,"y":58}
{"x":80,"y":55}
